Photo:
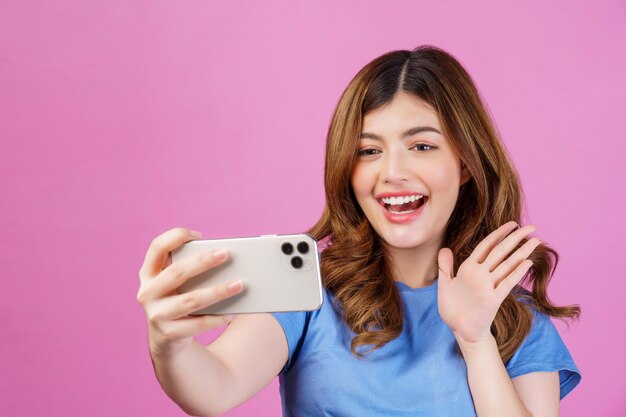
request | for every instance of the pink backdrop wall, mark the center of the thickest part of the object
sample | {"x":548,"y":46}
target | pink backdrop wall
{"x":122,"y":119}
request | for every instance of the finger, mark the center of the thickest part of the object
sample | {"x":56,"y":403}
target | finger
{"x":159,"y":250}
{"x":177,"y":273}
{"x":481,"y":251}
{"x":504,"y":288}
{"x":192,"y":326}
{"x":506,"y":267}
{"x":501,"y":251}
{"x":446,"y":265}
{"x":172,"y":308}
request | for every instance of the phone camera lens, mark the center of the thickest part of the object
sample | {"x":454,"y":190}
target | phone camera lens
{"x":296,"y":262}
{"x":287,"y":248}
{"x":303,"y":247}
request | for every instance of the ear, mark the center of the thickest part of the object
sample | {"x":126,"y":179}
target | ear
{"x":465,"y":174}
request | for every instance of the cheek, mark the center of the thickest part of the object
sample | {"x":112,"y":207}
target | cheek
{"x":360,"y":182}
{"x":445,"y":177}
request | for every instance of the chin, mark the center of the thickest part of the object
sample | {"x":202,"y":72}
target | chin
{"x":403,"y":242}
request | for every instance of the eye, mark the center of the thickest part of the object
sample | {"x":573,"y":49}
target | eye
{"x":430,"y":147}
{"x":367,"y":152}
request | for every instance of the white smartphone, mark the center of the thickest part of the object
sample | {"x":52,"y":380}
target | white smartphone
{"x":279,"y":273}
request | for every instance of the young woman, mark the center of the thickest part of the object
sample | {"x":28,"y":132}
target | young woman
{"x":425,"y":270}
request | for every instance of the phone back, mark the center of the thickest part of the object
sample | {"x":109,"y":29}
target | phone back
{"x":279,"y":273}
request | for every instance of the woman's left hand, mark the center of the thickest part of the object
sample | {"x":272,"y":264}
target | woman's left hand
{"x":469,"y":302}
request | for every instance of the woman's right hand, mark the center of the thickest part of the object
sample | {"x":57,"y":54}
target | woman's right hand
{"x":170,"y":329}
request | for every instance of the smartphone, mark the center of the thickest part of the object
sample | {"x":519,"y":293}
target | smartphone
{"x":279,"y":273}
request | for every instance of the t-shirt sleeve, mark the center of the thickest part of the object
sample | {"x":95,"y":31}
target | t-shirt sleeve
{"x":294,"y":324}
{"x":543,"y":350}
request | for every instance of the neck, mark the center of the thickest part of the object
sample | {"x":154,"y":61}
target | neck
{"x":416,"y":267}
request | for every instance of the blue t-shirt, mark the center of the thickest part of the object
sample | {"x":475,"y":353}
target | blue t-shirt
{"x":418,"y":374}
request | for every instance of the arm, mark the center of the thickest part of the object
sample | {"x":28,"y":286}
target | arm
{"x":469,"y":303}
{"x":495,"y":394}
{"x":208,"y":381}
{"x":211,"y":380}
{"x":540,"y":392}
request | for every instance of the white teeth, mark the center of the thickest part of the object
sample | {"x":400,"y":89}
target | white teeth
{"x":401,"y":200}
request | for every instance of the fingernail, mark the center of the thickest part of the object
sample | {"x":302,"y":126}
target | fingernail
{"x":229,"y":317}
{"x":234,"y":286}
{"x":219,"y":254}
{"x":196,"y":234}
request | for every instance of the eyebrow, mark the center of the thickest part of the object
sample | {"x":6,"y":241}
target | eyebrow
{"x":412,"y":131}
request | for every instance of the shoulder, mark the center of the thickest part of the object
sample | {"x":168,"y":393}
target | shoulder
{"x":543,"y":350}
{"x":300,"y":326}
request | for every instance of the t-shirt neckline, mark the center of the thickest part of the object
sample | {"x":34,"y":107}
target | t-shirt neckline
{"x":405,"y":288}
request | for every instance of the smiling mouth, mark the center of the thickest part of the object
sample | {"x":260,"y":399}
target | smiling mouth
{"x":404,"y":208}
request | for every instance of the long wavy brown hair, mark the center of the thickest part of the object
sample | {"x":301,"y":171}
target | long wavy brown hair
{"x":355,"y":265}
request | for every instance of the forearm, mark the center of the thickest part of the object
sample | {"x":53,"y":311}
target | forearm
{"x":194,"y":379}
{"x":491,"y":387}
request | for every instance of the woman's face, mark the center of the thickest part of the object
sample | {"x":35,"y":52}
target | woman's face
{"x":403,"y":152}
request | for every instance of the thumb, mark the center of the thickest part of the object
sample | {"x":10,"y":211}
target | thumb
{"x":446,"y":265}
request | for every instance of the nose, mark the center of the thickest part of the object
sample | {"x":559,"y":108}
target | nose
{"x":395,"y":168}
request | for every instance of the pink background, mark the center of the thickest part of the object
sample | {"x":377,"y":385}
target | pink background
{"x":122,"y":119}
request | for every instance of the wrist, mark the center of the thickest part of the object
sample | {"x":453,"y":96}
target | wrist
{"x":168,"y":350}
{"x":469,"y":348}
